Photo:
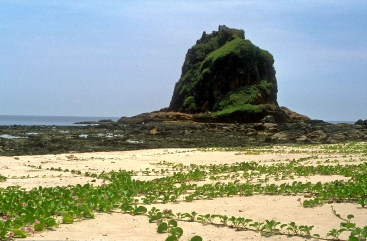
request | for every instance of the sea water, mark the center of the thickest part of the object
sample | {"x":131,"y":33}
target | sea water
{"x":7,"y":120}
{"x":341,"y":122}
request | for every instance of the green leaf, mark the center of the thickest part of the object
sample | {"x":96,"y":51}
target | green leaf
{"x":50,"y":222}
{"x":140,"y":210}
{"x":39,"y":227}
{"x":66,"y":218}
{"x":350,"y":225}
{"x":189,"y":198}
{"x":17,"y":223}
{"x":283,"y":225}
{"x":177,"y":232}
{"x":19,"y":233}
{"x":196,"y":238}
{"x":364,"y":232}
{"x":353,"y":239}
{"x":153,"y":218}
{"x":88,"y":214}
{"x":162,"y":228}
{"x":172,"y":222}
{"x":171,"y":238}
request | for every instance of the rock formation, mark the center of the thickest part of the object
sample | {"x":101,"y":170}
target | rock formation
{"x":226,"y":78}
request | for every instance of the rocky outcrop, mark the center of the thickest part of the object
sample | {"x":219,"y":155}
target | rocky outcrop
{"x":294,"y":117}
{"x":361,"y":122}
{"x":156,"y":116}
{"x":228,"y":78}
{"x":225,"y":79}
{"x":280,"y":115}
{"x":268,"y":119}
{"x":63,"y":139}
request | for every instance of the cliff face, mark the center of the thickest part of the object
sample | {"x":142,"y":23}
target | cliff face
{"x":226,"y":75}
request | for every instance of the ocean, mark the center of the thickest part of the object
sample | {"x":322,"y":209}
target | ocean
{"x":8,"y":120}
{"x":338,"y":122}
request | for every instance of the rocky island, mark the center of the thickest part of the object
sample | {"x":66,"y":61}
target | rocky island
{"x":226,"y":79}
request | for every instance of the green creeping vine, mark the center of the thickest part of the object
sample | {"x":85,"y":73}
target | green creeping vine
{"x":167,"y":221}
{"x":22,"y":212}
{"x":356,"y":233}
{"x":2,"y":178}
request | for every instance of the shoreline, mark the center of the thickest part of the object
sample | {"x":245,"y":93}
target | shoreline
{"x":24,"y":140}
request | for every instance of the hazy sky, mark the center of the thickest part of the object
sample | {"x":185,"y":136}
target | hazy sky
{"x":122,"y":58}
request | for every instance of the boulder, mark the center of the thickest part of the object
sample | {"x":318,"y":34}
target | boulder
{"x":226,"y":77}
{"x":359,"y":122}
{"x":268,"y":119}
{"x":294,"y":117}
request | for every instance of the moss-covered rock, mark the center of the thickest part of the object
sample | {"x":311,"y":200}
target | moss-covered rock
{"x":226,"y":75}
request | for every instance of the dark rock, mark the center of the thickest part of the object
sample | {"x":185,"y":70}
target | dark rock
{"x":281,"y":136}
{"x":259,"y":126}
{"x":108,"y":121}
{"x":359,"y":122}
{"x":171,"y":134}
{"x":303,"y":139}
{"x":251,"y":132}
{"x":314,"y":121}
{"x":222,"y":65}
{"x":226,"y":78}
{"x":268,"y":119}
{"x":157,"y":130}
{"x":318,"y":135}
{"x":293,"y":117}
{"x":337,"y":138}
{"x":155,"y":116}
{"x":270,"y":139}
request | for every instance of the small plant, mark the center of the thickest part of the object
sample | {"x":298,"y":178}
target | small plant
{"x":362,"y":202}
{"x":191,"y":216}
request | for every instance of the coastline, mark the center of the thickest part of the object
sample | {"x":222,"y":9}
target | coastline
{"x":36,"y":140}
{"x":29,"y":120}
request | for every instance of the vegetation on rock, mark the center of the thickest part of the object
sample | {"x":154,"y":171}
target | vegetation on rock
{"x":227,"y":75}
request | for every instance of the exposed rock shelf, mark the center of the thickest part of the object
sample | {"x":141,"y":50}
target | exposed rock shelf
{"x":117,"y":137}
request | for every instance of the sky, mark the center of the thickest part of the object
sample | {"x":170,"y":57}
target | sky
{"x":115,"y":58}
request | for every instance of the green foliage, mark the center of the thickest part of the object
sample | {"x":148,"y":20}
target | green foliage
{"x":196,"y":238}
{"x":189,"y":103}
{"x":38,"y":209}
{"x":162,"y":228}
{"x":243,"y":49}
{"x":239,"y":70}
{"x":246,"y":108}
{"x":68,"y":217}
{"x":2,"y":178}
{"x":265,"y":87}
{"x":239,"y":97}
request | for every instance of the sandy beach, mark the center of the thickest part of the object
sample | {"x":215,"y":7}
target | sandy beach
{"x":41,"y":170}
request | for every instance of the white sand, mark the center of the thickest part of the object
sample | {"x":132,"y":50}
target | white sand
{"x":22,"y":171}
